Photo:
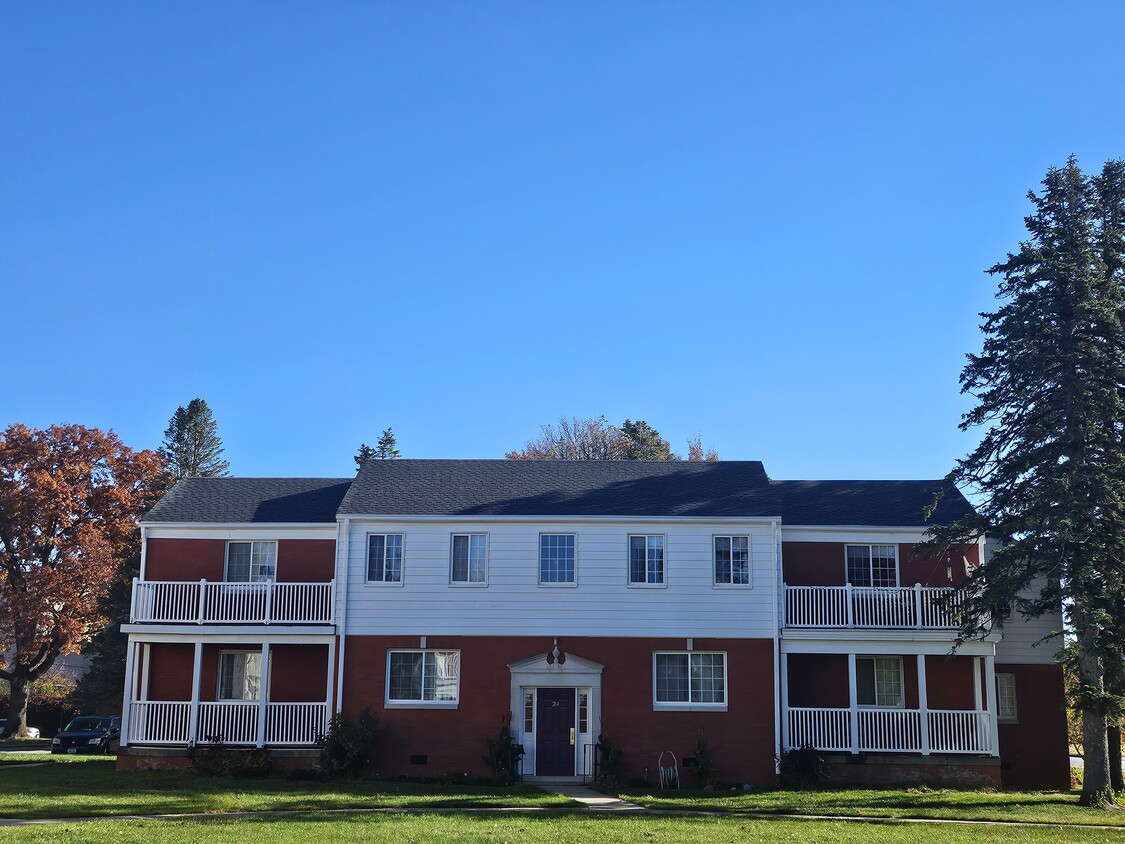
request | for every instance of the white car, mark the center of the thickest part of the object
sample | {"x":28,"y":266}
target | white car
{"x":32,"y":732}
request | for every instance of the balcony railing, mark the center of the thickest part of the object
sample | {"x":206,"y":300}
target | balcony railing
{"x":925,"y":607}
{"x":203,"y":602}
{"x":226,"y":722}
{"x":891,"y":730}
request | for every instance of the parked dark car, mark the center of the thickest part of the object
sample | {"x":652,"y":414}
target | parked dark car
{"x":89,"y":734}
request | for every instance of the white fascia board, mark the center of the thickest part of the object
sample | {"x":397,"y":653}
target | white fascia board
{"x":885,"y":647}
{"x":763,"y":520}
{"x":247,"y":530}
{"x":315,"y":634}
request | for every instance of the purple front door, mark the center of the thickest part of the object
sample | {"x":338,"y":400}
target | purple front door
{"x":554,"y":733}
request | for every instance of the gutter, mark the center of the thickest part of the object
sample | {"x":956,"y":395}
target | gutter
{"x":776,"y":539}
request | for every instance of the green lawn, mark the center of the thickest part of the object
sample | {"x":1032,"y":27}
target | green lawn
{"x":68,"y":786}
{"x":1034,"y":807}
{"x":495,"y":828}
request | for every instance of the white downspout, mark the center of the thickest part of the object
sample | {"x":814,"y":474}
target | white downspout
{"x":776,"y":541}
{"x":342,"y":551}
{"x":144,"y":550}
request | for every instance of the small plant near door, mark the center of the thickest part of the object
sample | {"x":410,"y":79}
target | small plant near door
{"x":609,"y":761}
{"x":702,"y":766}
{"x":504,"y":755}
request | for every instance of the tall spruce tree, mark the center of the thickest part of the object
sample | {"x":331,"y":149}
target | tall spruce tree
{"x":1049,"y":473}
{"x":192,"y":448}
{"x":363,"y":454}
{"x":387,"y":447}
{"x":643,"y":442}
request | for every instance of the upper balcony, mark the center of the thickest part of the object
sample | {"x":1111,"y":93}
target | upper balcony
{"x":891,"y":608}
{"x":203,"y":602}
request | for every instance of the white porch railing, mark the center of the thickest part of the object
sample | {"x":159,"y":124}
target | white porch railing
{"x":926,"y":607}
{"x":202,"y":602}
{"x":890,"y":730}
{"x":228,"y":722}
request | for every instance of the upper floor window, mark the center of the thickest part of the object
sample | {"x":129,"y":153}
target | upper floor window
{"x":879,"y":681}
{"x":556,"y":558}
{"x":384,"y":558}
{"x":1006,"y":697}
{"x":690,"y":678}
{"x":251,"y":562}
{"x":732,"y":560}
{"x":420,"y":677}
{"x":240,"y":675}
{"x":470,"y":558}
{"x":872,"y":565}
{"x":646,"y":560}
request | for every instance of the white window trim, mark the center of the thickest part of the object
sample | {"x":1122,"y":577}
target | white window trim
{"x":689,"y":706}
{"x":1015,"y":716}
{"x":870,"y":546}
{"x":265,"y":675}
{"x":749,"y":561}
{"x":388,"y":703}
{"x":251,"y":543}
{"x":546,"y":584}
{"x":468,"y":584}
{"x":901,"y":677}
{"x":367,"y":560}
{"x":663,"y":584}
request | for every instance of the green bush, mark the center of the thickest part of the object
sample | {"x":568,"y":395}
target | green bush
{"x":803,"y":768}
{"x":349,"y":746}
{"x":609,"y":761}
{"x":503,"y":757}
{"x":216,"y":759}
{"x":702,"y":765}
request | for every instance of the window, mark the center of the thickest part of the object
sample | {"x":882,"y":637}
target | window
{"x":528,"y":713}
{"x":1006,"y":697}
{"x":732,"y":560}
{"x":879,"y":681}
{"x":251,"y":562}
{"x":556,"y":558}
{"x":240,"y":675}
{"x":384,"y":558}
{"x":646,"y":560}
{"x":872,"y":565}
{"x":583,"y":712}
{"x":423,"y":676}
{"x":470,"y":559}
{"x":690,"y":678}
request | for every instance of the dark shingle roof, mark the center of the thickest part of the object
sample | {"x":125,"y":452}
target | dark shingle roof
{"x":561,"y":488}
{"x":224,"y":500}
{"x":875,"y":503}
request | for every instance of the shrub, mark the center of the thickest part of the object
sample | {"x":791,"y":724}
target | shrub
{"x":216,"y":759}
{"x":347,"y":749}
{"x":503,"y":757}
{"x":803,"y":768}
{"x":701,"y":765}
{"x":609,"y":761}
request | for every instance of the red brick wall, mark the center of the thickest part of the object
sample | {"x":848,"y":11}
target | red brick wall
{"x":299,"y":672}
{"x":741,"y":739}
{"x":823,"y":564}
{"x":1033,"y":751}
{"x":169,"y":674}
{"x":949,"y":682}
{"x":298,"y":560}
{"x":818,"y":680}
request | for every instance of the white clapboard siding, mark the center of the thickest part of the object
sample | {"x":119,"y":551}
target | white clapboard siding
{"x":601,"y":604}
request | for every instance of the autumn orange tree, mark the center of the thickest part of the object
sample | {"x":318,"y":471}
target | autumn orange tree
{"x":69,"y":500}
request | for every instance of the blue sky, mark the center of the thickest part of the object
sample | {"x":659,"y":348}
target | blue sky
{"x":766,"y":223}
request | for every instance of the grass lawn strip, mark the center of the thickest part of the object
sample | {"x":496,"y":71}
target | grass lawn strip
{"x":495,"y":829}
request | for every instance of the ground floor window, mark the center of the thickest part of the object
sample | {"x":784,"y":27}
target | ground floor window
{"x":240,"y":675}
{"x":690,"y":678}
{"x":423,"y":676}
{"x":879,"y":681}
{"x":1006,"y":697}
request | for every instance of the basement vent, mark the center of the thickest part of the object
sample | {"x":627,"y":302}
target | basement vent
{"x":419,"y":759}
{"x":687,"y":762}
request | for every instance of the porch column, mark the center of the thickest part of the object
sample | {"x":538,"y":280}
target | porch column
{"x":978,"y":702}
{"x":853,"y":704}
{"x":990,"y":690}
{"x":328,"y":686}
{"x":785,"y":701}
{"x":193,"y":713}
{"x":923,"y":706}
{"x":127,"y":702}
{"x":263,"y":694}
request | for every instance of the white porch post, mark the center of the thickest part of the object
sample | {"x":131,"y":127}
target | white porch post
{"x":853,"y":703}
{"x":978,"y":702}
{"x":990,"y":690}
{"x":127,"y":703}
{"x":923,"y":706}
{"x":328,"y":686}
{"x":263,"y":694}
{"x":193,"y":713}
{"x":785,"y":737}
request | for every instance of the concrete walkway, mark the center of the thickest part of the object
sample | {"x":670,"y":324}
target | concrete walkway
{"x":595,"y":801}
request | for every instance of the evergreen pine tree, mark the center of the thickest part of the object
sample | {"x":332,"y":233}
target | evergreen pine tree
{"x":643,"y":442}
{"x":1049,"y":473}
{"x":387,"y":448}
{"x":191,"y":447}
{"x":364,"y":454}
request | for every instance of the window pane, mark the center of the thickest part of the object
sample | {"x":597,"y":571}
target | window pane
{"x":461,"y":558}
{"x":740,"y":559}
{"x":722,"y":559}
{"x":883,"y":569}
{"x":238,"y":562}
{"x":240,"y":676}
{"x":446,"y":670}
{"x":708,"y":678}
{"x":1006,"y":696}
{"x":865,"y":682}
{"x":477,"y":569}
{"x":556,"y":558}
{"x":888,"y":682}
{"x":263,"y":561}
{"x":392,"y":566}
{"x":655,"y":559}
{"x":672,"y":678}
{"x":636,"y":559}
{"x":405,"y":676}
{"x":859,"y":565}
{"x":376,"y":546}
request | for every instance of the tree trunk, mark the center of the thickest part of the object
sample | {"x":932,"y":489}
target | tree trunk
{"x":1096,"y":790}
{"x":17,"y":709}
{"x":1113,"y":746}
